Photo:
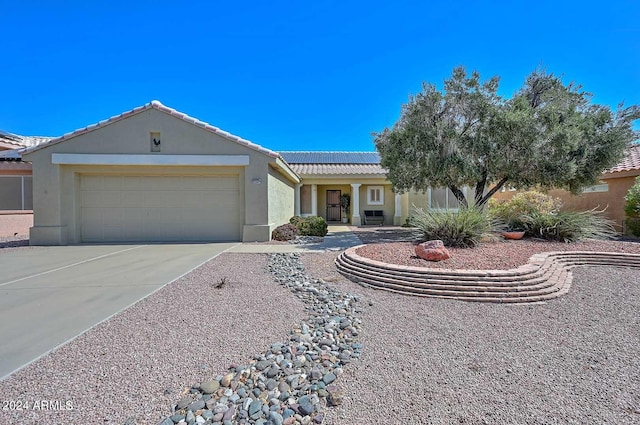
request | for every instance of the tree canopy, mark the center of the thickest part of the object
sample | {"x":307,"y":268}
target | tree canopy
{"x":547,"y":135}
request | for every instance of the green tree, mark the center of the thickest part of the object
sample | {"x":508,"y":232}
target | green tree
{"x":547,"y":135}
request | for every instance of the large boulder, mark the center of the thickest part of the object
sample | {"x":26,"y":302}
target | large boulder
{"x":432,"y":251}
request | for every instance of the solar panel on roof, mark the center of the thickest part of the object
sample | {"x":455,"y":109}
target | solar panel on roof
{"x":318,"y":157}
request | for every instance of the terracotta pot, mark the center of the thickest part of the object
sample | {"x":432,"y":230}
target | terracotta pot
{"x":513,"y":235}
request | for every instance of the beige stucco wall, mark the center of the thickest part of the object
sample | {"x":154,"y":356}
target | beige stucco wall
{"x":612,"y":200}
{"x":305,"y":199}
{"x":281,"y":199}
{"x":411,"y":199}
{"x":55,"y":186}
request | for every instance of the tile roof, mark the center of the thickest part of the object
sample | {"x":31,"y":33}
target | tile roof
{"x":319,"y":157}
{"x":334,"y":169}
{"x":159,"y":106}
{"x":14,"y":166}
{"x":630,"y":162}
{"x":18,"y":141}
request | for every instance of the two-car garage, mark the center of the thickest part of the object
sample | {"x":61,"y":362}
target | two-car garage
{"x":121,"y":208}
{"x":154,"y":174}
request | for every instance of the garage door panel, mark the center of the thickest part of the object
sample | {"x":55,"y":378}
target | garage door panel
{"x":160,"y":208}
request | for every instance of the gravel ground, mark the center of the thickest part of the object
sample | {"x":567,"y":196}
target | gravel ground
{"x":573,"y":360}
{"x":502,"y":255}
{"x":139,"y":363}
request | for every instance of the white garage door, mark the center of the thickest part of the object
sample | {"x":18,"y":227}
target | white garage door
{"x":159,"y":208}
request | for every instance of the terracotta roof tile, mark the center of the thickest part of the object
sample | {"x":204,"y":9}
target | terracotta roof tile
{"x":22,"y":141}
{"x":334,"y":169}
{"x":630,"y":162}
{"x":159,"y":106}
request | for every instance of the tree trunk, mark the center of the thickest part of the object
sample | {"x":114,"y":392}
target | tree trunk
{"x":459,"y":196}
{"x":491,"y":192}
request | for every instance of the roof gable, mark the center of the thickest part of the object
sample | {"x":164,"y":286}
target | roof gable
{"x":160,"y":107}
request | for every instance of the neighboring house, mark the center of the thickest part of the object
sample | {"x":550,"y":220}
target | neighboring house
{"x":15,"y":175}
{"x":609,"y":193}
{"x":155,"y":174}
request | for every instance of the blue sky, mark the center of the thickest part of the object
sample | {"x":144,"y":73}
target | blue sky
{"x":319,"y":75}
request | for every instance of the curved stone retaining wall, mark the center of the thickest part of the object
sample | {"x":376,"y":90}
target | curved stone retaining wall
{"x":544,"y":277}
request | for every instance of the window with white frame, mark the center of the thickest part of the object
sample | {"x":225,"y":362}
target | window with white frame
{"x":602,"y":187}
{"x":375,"y":195}
{"x":444,"y":199}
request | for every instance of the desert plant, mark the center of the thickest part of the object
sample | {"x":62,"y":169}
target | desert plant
{"x":285,"y":232}
{"x":345,"y":202}
{"x":569,"y":226}
{"x":465,"y":228}
{"x":523,"y":204}
{"x":632,"y":200}
{"x":313,"y":226}
{"x":632,"y":209}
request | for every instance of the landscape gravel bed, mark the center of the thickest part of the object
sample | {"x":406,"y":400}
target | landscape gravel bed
{"x":573,"y":360}
{"x":143,"y":360}
{"x":292,"y":381}
{"x":501,"y":255}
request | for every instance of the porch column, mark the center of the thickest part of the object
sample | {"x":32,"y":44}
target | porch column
{"x":314,"y":199}
{"x":398,"y":210}
{"x":355,"y":201}
{"x":296,"y":202}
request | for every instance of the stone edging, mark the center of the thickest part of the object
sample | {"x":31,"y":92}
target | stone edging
{"x":545,"y":276}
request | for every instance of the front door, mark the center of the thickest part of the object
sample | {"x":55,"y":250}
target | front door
{"x":333,"y":205}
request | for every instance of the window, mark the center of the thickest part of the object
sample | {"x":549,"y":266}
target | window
{"x":443,"y":199}
{"x":602,"y":187}
{"x":375,"y":195}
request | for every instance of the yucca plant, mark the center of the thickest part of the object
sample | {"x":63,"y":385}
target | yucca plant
{"x":465,"y":228}
{"x":569,"y":226}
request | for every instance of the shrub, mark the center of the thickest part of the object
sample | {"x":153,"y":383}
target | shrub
{"x":296,"y":220}
{"x":286,"y":232}
{"x":632,"y":209}
{"x":632,"y":200}
{"x":633,"y":226}
{"x":465,"y":228}
{"x":530,"y":203}
{"x":313,"y":226}
{"x":569,"y":226}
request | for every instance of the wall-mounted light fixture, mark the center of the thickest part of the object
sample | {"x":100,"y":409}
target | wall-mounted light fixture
{"x":256,"y":181}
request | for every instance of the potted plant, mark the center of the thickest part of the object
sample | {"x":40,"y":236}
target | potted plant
{"x":345,"y":203}
{"x":514,"y":230}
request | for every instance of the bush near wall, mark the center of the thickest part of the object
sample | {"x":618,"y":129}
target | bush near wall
{"x":529,"y":203}
{"x":286,"y":232}
{"x":310,"y":226}
{"x":632,"y":209}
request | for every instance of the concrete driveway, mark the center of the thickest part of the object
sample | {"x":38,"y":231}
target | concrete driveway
{"x":49,"y":295}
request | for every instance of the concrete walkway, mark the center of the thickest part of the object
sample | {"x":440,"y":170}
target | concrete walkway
{"x":338,"y":238}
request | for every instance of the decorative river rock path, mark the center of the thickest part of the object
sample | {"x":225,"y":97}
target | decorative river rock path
{"x":293,"y":381}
